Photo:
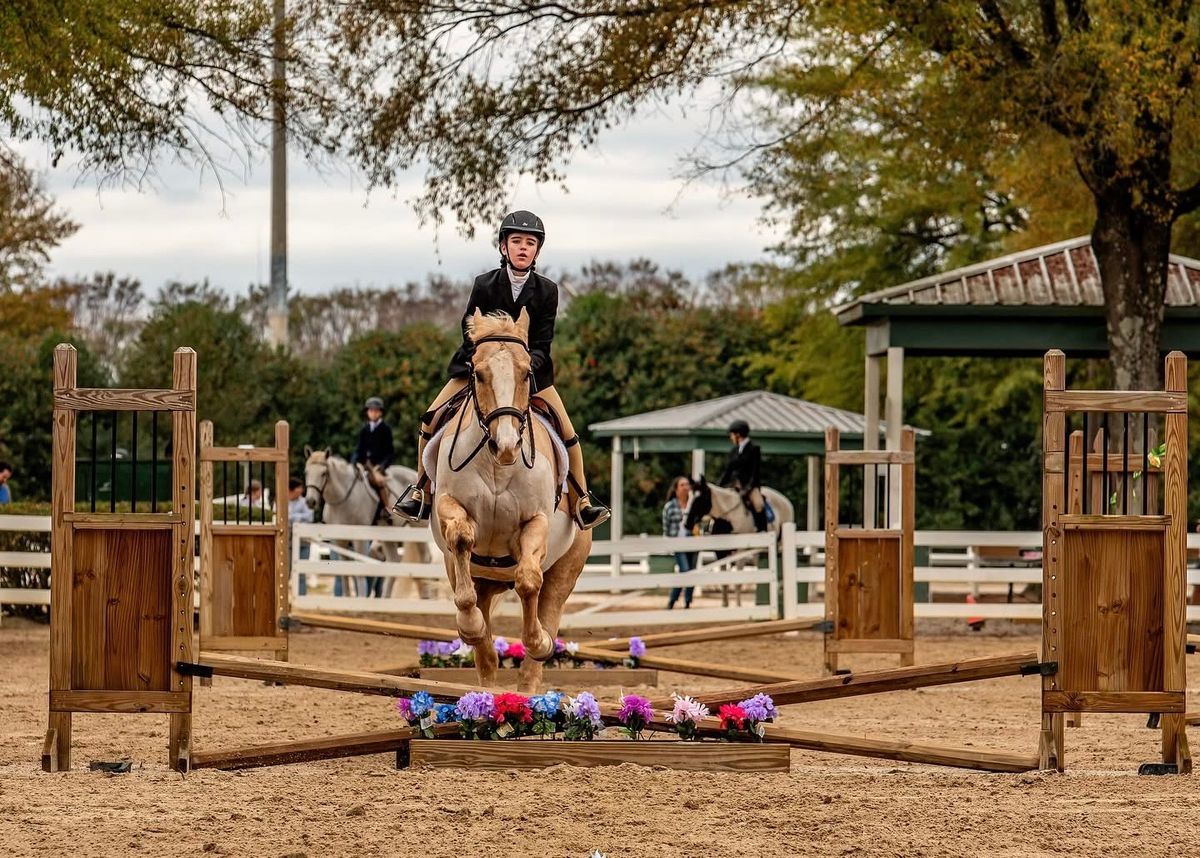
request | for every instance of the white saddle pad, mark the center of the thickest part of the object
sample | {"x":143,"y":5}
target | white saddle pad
{"x":562,"y":465}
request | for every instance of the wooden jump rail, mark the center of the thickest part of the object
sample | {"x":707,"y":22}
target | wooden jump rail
{"x":1114,"y":603}
{"x":710,"y":634}
{"x":121,"y":583}
{"x":435,"y":754}
{"x":604,"y":656}
{"x":869,"y":570}
{"x":880,"y":681}
{"x":244,"y":565}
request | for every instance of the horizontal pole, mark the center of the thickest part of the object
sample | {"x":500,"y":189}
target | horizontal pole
{"x":692,"y":668}
{"x":268,"y":530}
{"x":355,"y":682}
{"x":1117,"y":463}
{"x":244,"y":644}
{"x":1113,"y":701}
{"x":715,"y":633}
{"x":173,"y":702}
{"x":306,"y":750}
{"x":239,"y":454}
{"x":870,"y":457}
{"x":553,"y":677}
{"x":853,"y":645}
{"x":877,"y":681}
{"x":1114,"y":522}
{"x":868,"y":533}
{"x":144,"y":520}
{"x":113,"y":399}
{"x":1117,"y":401}
{"x":373,"y":627}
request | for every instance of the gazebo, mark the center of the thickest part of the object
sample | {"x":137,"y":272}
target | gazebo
{"x":781,"y":426}
{"x":1019,"y":305}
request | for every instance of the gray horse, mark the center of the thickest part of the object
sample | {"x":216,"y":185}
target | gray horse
{"x":350,"y":498}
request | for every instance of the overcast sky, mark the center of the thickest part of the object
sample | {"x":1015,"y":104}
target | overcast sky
{"x":622,"y":201}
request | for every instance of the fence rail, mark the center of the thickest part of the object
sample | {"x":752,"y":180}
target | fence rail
{"x":769,"y":571}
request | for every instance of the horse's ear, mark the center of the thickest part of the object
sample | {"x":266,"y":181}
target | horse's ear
{"x":473,"y":322}
{"x":523,"y":323}
{"x":328,"y":452}
{"x":307,"y":451}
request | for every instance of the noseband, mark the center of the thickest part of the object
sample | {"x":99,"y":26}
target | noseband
{"x":486,"y":420}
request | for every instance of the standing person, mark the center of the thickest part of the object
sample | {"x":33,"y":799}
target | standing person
{"x":375,"y":444}
{"x":742,"y":472}
{"x":511,"y":288}
{"x":6,"y":471}
{"x":672,"y":523}
{"x":298,"y":511}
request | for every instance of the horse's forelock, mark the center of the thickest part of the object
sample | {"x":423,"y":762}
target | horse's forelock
{"x":497,"y":324}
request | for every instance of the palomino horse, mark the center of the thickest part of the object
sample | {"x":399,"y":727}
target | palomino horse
{"x":729,"y":515}
{"x":350,"y":499}
{"x":499,"y":514}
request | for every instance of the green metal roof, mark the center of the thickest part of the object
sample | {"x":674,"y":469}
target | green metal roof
{"x":779,"y":424}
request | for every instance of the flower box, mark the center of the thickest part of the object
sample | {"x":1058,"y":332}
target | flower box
{"x":532,"y":753}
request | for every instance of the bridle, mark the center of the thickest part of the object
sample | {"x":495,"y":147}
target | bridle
{"x":485,"y":420}
{"x":321,"y":488}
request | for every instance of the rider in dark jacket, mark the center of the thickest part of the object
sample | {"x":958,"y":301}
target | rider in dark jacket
{"x":511,"y":288}
{"x":375,"y":444}
{"x":742,"y":472}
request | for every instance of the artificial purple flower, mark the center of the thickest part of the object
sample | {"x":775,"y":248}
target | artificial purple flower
{"x":637,"y":649}
{"x":560,"y":646}
{"x":426,"y":647}
{"x":584,"y":706}
{"x":501,"y":647}
{"x":404,"y":707}
{"x":760,"y":707}
{"x":476,"y":706}
{"x":634,"y":706}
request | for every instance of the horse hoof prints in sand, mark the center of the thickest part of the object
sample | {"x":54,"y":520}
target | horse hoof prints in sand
{"x":499,"y":513}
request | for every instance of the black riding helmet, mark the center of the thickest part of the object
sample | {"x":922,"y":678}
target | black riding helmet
{"x":525,"y":222}
{"x":740,"y":427}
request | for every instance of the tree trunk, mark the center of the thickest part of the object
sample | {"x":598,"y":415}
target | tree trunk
{"x":1132,"y":248}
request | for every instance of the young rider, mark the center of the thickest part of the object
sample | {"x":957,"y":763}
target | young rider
{"x":742,"y":470}
{"x":514,"y":286}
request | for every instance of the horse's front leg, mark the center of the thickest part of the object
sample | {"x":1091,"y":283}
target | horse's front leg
{"x":531,"y":554}
{"x":486,"y":659}
{"x":458,"y":534}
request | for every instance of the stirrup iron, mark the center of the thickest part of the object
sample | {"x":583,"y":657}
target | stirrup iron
{"x":412,"y":493}
{"x":585,"y":501}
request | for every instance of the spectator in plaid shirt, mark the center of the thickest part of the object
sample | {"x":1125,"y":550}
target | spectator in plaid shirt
{"x":672,"y":520}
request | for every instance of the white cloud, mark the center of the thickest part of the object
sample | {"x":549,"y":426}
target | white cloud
{"x":622,"y":201}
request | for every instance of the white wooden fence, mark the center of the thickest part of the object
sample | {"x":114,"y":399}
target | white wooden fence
{"x":633,"y":596}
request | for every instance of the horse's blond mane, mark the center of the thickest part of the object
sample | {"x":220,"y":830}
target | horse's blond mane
{"x":494,"y":324}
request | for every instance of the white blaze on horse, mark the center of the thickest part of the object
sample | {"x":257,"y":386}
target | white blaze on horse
{"x":499,"y":510}
{"x":349,"y":498}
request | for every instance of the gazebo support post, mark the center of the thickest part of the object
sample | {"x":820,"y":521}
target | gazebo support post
{"x":895,"y":421}
{"x":813,"y":503}
{"x":617,"y":522}
{"x":871,"y":431}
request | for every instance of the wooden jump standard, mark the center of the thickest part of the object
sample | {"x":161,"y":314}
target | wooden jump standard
{"x":121,"y":582}
{"x":869,"y":569}
{"x":1114,"y":601}
{"x":544,"y":753}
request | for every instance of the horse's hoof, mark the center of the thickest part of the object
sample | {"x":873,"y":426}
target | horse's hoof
{"x":471,"y":627}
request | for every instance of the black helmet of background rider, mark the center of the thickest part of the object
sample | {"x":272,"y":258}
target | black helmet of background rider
{"x":740,"y":428}
{"x":524,"y":222}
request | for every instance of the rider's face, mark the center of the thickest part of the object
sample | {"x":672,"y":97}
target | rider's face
{"x":521,"y":249}
{"x":374,"y":414}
